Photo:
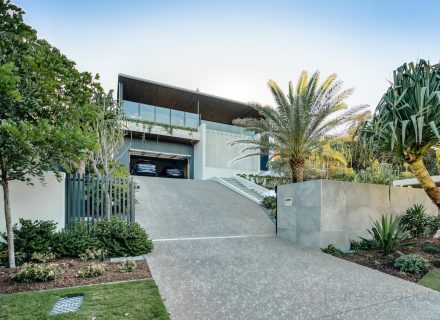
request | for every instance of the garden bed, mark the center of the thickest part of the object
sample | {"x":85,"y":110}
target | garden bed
{"x":67,"y":277}
{"x":385,"y":263}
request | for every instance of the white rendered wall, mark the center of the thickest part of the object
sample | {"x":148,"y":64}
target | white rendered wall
{"x":200,"y":154}
{"x":219,"y":156}
{"x":37,"y":202}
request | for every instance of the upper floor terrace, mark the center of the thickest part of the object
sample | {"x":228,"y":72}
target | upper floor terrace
{"x":155,"y":104}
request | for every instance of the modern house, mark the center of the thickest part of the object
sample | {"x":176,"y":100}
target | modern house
{"x":176,"y":127}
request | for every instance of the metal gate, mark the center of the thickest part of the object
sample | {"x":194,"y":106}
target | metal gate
{"x":90,"y":197}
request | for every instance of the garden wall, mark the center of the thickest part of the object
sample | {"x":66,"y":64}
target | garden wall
{"x":37,"y":202}
{"x":322,"y":212}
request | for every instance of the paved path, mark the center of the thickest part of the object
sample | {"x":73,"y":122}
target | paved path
{"x":219,"y":260}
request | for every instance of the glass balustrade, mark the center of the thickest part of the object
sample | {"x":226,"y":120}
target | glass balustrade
{"x":178,"y":118}
{"x":163,"y":115}
{"x":192,"y":120}
{"x":149,"y":113}
{"x":131,"y":110}
{"x":146,"y":112}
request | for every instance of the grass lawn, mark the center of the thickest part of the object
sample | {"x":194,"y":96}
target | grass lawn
{"x":431,"y":280}
{"x":128,"y":300}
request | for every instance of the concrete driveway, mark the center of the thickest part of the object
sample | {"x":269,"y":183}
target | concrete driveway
{"x":215,"y":259}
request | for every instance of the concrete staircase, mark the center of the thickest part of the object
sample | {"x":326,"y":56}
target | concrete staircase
{"x":245,"y":187}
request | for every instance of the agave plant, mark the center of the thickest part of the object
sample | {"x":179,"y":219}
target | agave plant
{"x":302,"y":121}
{"x":407,"y":120}
{"x":387,"y":233}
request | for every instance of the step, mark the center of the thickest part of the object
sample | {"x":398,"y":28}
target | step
{"x":242,"y":187}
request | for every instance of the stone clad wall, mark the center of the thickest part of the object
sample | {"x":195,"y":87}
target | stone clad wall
{"x":324,"y":212}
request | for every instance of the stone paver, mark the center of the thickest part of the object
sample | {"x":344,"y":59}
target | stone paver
{"x":263,"y":277}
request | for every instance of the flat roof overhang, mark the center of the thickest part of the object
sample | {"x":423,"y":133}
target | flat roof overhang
{"x":211,"y":108}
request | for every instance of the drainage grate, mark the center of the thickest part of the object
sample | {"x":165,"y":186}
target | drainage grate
{"x":68,"y":304}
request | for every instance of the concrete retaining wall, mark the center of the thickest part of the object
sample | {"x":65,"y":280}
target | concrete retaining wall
{"x":322,"y":212}
{"x":38,"y":202}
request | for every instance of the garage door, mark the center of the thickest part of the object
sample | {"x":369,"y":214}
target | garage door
{"x":159,"y":164}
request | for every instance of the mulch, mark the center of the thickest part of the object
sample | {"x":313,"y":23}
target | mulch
{"x":376,"y":260}
{"x":67,"y":277}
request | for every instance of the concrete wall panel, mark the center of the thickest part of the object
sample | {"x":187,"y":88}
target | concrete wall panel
{"x":327,"y":212}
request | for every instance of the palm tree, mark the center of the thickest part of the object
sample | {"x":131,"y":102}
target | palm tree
{"x":303,"y":121}
{"x":407,"y":119}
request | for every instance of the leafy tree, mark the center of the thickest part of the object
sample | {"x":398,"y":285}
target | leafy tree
{"x":406,"y":121}
{"x":45,"y":105}
{"x":303,"y":122}
{"x":108,"y":127}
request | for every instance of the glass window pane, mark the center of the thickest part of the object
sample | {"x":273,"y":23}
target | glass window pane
{"x":177,"y":118}
{"x":162,"y":115}
{"x":191,"y":120}
{"x":146,"y":112}
{"x":131,"y":110}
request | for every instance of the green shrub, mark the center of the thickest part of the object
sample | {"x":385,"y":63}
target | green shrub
{"x":331,"y":249}
{"x":433,"y":225}
{"x":270,"y":203}
{"x":42,"y":257}
{"x":3,"y":257}
{"x":387,"y":233}
{"x":19,"y":257}
{"x":128,"y":266}
{"x":378,"y":173}
{"x":31,"y":272}
{"x":90,"y":271}
{"x":75,"y":239}
{"x":411,"y":263}
{"x":93,"y":254}
{"x":436,"y":263}
{"x":120,"y":238}
{"x":418,"y":223}
{"x":431,"y":249}
{"x":33,"y":237}
{"x":363,"y":245}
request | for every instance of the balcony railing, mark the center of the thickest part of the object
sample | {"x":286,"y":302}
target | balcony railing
{"x":148,"y":113}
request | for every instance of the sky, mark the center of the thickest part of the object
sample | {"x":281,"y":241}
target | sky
{"x":232,"y":48}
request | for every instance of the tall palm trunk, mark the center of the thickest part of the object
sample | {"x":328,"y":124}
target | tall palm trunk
{"x":297,"y":167}
{"x":425,"y":180}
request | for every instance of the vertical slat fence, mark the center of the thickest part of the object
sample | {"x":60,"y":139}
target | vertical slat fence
{"x":87,"y":197}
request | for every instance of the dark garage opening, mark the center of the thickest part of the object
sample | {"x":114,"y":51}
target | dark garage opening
{"x":161,"y":161}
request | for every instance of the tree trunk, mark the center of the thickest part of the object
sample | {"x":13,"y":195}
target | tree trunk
{"x":297,"y":167}
{"x":81,"y":167}
{"x":9,"y":230}
{"x":105,"y":186}
{"x":425,"y":180}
